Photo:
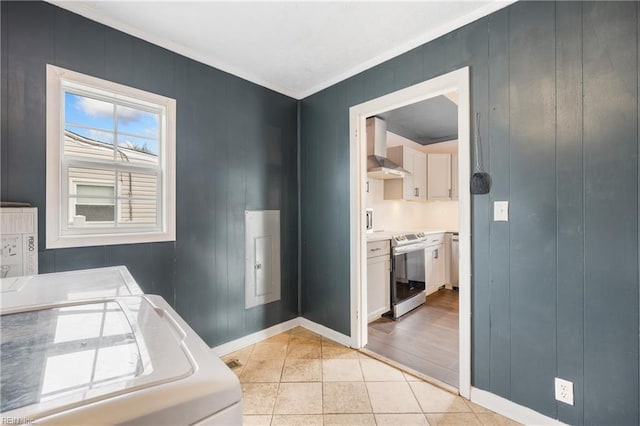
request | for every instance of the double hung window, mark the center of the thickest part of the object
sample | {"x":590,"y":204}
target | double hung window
{"x":110,"y":162}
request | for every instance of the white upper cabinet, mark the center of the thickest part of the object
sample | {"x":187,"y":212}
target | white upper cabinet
{"x":439,"y":177}
{"x":412,"y":187}
{"x":420,"y":175}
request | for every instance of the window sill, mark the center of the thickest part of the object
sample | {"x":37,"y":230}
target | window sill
{"x":70,"y":241}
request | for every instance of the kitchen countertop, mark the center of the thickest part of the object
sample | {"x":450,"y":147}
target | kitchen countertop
{"x":386,"y":235}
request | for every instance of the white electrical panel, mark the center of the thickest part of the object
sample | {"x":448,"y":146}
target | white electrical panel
{"x":262,"y":257}
{"x":19,"y":241}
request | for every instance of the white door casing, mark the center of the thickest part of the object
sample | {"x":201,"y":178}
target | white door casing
{"x":454,"y":81}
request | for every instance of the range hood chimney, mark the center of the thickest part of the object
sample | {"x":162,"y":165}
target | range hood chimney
{"x":378,"y":165}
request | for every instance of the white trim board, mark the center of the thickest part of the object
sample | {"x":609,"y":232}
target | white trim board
{"x":325,"y":332}
{"x":258,"y":336}
{"x":453,"y":81}
{"x":510,"y":409}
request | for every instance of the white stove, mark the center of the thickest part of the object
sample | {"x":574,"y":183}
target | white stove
{"x":408,"y":272}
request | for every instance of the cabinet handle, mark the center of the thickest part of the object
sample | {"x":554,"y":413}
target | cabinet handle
{"x":367,"y":186}
{"x":416,"y":192}
{"x":376,"y":249}
{"x":435,"y":253}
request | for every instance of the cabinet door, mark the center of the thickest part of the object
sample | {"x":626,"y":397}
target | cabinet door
{"x":447,"y":258}
{"x":408,"y":186}
{"x":454,"y":176}
{"x":430,"y":271}
{"x":439,"y":176}
{"x":440,"y":265}
{"x":412,"y":187}
{"x":378,"y":287}
{"x":420,"y":175}
{"x":434,"y":268}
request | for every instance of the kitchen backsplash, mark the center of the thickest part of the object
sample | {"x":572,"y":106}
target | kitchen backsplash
{"x":398,"y":215}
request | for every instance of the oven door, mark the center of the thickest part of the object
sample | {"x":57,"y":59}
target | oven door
{"x":408,"y":278}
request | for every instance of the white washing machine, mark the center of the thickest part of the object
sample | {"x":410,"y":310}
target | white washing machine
{"x":123,"y":358}
{"x":67,"y":286}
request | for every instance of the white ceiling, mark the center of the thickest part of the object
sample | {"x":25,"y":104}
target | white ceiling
{"x":293,"y":47}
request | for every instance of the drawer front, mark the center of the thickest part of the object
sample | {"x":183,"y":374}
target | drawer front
{"x":435,"y":239}
{"x":378,"y":248}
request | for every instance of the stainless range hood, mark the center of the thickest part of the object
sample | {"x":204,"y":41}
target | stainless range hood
{"x":378,"y":165}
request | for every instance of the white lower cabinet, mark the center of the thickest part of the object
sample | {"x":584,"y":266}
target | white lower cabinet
{"x":435,"y":267}
{"x":378,"y":281}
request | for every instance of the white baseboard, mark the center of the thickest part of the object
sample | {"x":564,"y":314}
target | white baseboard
{"x":258,"y":336}
{"x":510,"y":409}
{"x":372,"y":316}
{"x":325,"y":331}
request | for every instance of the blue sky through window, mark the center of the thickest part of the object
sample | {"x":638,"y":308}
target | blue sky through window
{"x":95,"y":120}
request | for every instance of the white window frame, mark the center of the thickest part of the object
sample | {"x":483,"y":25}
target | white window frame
{"x":58,"y":232}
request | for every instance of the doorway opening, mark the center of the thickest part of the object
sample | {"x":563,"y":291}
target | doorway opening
{"x":410,"y":229}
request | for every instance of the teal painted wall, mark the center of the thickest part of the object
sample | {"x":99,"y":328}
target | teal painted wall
{"x":236,"y":148}
{"x":555,"y":290}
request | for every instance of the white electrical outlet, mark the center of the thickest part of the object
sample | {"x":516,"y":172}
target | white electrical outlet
{"x":564,"y":391}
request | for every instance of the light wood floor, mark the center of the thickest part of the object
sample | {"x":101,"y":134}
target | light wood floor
{"x":425,"y":339}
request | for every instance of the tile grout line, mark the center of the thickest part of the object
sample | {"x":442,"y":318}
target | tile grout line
{"x":416,"y":398}
{"x":360,"y":359}
{"x":366,"y":388}
{"x":322,"y":377}
{"x":286,"y":350}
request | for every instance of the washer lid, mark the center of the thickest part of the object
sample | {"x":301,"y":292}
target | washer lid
{"x":58,"y":357}
{"x":67,"y":286}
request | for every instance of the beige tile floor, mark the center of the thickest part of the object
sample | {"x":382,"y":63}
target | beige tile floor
{"x":301,"y":378}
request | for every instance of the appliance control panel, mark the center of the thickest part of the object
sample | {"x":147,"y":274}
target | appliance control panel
{"x":400,"y":238}
{"x":404,"y":239}
{"x":18,"y":241}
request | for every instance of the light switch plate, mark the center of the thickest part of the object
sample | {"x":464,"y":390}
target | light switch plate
{"x":500,"y":211}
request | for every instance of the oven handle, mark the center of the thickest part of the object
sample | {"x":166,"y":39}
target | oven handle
{"x":409,"y":248}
